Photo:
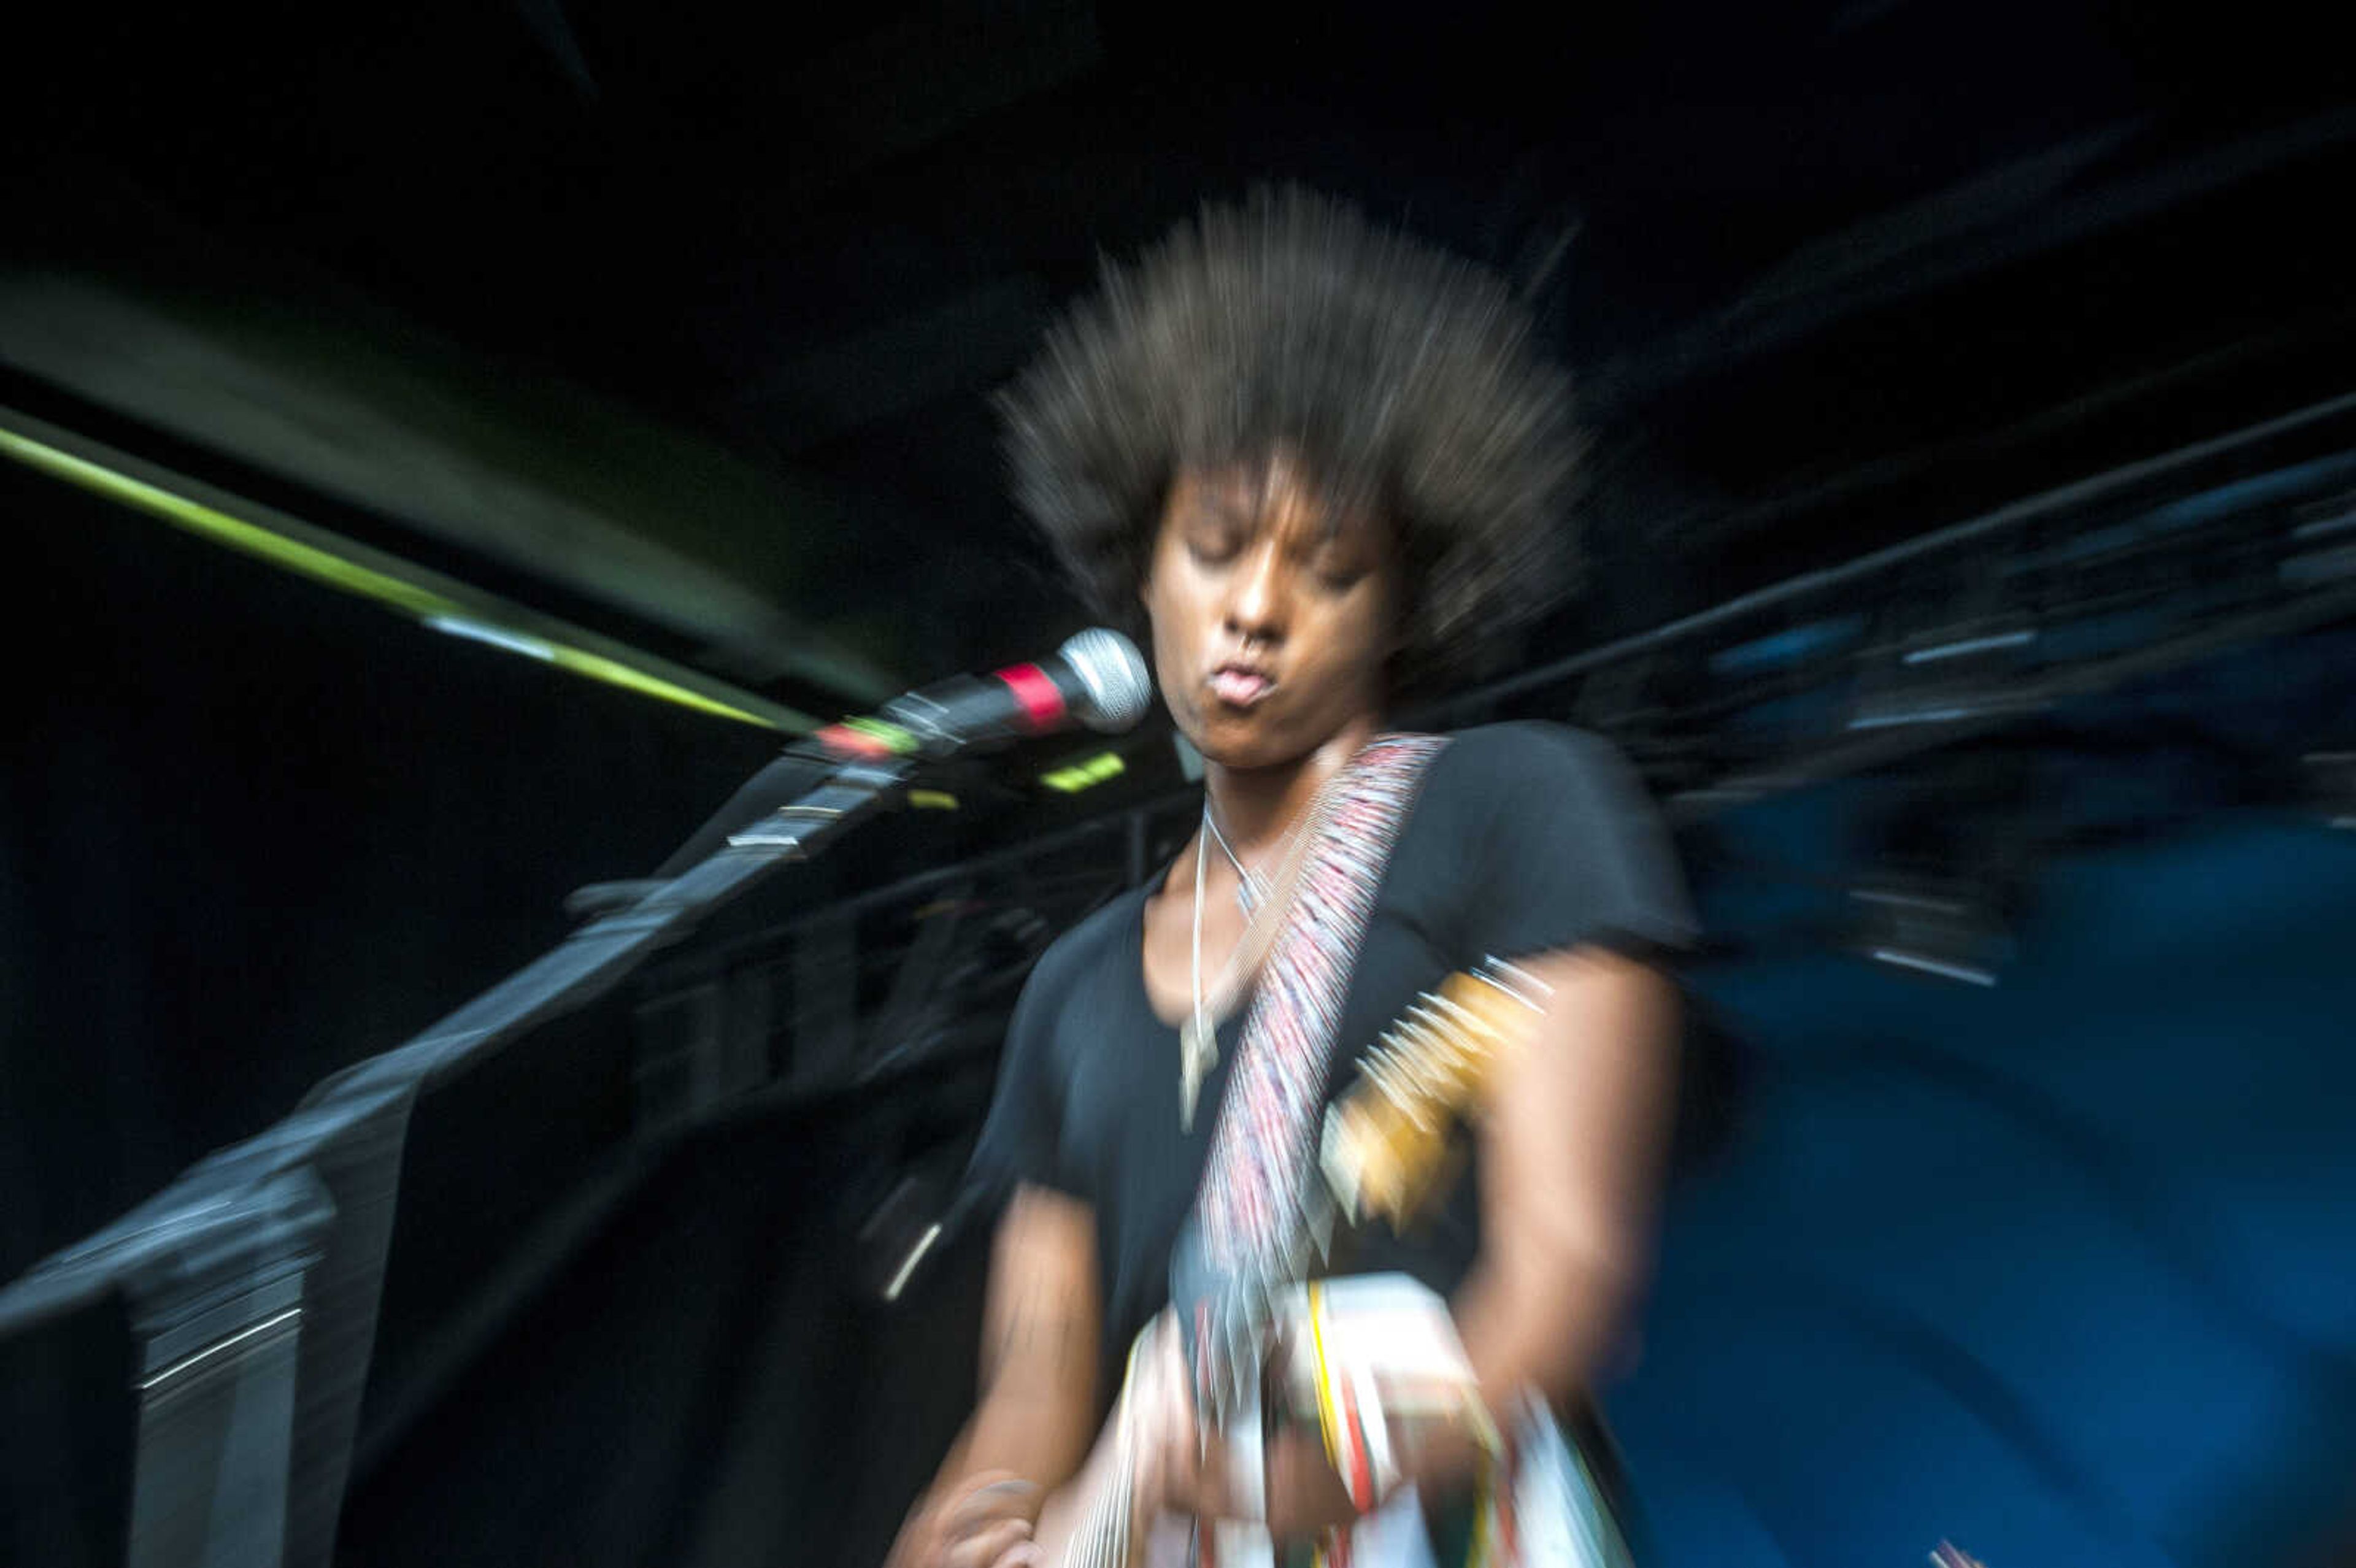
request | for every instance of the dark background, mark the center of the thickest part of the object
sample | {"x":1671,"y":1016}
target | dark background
{"x":2033,"y":1266}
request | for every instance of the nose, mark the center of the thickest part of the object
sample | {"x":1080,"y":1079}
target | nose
{"x":1259,"y":595}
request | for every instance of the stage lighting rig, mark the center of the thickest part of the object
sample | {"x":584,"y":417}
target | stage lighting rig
{"x":1926,"y":925}
{"x":2331,"y":785}
{"x":1956,"y":857}
{"x":1966,"y":667}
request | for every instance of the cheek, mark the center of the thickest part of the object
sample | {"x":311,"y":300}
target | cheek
{"x":1178,"y":599}
{"x":1167,"y":660}
{"x":1359,"y":636}
{"x":1171,"y":636}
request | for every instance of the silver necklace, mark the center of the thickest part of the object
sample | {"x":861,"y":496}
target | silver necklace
{"x":1252,"y":887}
{"x":1199,"y":1043}
{"x":1198,"y":1040}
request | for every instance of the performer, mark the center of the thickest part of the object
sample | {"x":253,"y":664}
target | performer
{"x":1325,"y":466}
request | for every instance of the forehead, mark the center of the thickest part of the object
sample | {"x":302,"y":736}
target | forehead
{"x":1279,"y":493}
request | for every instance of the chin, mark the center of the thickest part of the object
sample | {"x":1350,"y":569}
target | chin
{"x":1246,"y":743}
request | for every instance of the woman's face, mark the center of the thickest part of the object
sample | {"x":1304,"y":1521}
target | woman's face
{"x":1272,"y":614}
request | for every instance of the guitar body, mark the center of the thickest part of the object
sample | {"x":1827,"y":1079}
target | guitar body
{"x":1386,"y":1153}
{"x":1366,"y":1344}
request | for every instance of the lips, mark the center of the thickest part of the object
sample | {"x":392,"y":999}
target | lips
{"x":1241,"y":686}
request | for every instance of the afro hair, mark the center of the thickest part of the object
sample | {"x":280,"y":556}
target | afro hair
{"x":1400,"y":377}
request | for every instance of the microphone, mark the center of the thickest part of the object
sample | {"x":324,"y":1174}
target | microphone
{"x":1096,"y":679}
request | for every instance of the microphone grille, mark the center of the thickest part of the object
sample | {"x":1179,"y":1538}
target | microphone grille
{"x":1109,"y":667}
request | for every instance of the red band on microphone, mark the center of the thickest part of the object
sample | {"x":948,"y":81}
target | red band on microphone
{"x":1042,"y":704}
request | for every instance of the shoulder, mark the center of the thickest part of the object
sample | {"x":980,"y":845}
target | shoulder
{"x":1083,"y":950}
{"x":1489,"y":781}
{"x":1536,"y":788}
{"x":1562,"y":845}
{"x":1525,"y":738}
{"x":1528,"y":751}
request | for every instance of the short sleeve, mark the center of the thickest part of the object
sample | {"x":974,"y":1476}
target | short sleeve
{"x":1022,"y":1136}
{"x":1574,"y":853}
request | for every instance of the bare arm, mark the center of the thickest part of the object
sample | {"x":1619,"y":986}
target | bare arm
{"x":1572,"y":1140}
{"x":1572,"y":1146}
{"x":1038,"y":1389}
{"x":1039,"y":1341}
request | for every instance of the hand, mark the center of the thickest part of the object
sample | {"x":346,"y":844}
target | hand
{"x":986,"y":1522}
{"x":1180,"y":1471}
{"x":1177,"y":1468}
{"x":1305,"y":1494}
{"x":1152,"y":1455}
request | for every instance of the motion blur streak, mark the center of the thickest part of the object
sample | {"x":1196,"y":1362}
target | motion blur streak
{"x":443,"y":605}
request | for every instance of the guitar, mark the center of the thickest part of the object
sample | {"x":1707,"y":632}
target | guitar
{"x":1386,"y":1140}
{"x":1383,"y":1156}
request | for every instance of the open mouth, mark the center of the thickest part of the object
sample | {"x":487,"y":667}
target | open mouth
{"x":1238,"y":687}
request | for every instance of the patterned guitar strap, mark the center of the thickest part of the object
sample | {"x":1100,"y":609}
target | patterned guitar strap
{"x":1246,"y":1217}
{"x":1247,"y":1238}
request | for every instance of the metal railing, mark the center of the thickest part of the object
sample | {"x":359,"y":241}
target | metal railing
{"x":248,"y":1293}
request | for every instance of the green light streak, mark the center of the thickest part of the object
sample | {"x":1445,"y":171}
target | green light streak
{"x":457,"y":612}
{"x":235,"y":533}
{"x":898,"y":740}
{"x":613,"y":672}
{"x":1078,"y":776}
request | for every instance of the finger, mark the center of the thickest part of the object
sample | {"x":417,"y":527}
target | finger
{"x":1178,"y":1466}
{"x":1161,"y":1486}
{"x":1176,"y":1401}
{"x":1210,"y":1480}
{"x":1164,"y":1428}
{"x":986,"y":1546}
{"x":993,"y":1495}
{"x":976,"y":1546}
{"x":1181,"y":1378}
{"x":973,"y":1528}
{"x":1027,"y":1555}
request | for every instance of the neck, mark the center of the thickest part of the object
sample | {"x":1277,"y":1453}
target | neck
{"x":1258,"y":806}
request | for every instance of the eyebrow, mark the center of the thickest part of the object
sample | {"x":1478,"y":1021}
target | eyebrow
{"x":1332,"y":521}
{"x":1224,"y":508}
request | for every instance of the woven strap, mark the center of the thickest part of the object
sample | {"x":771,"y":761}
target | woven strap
{"x":1246,"y":1218}
{"x":1260,"y":1153}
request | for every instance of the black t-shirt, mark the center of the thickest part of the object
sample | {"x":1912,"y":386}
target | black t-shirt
{"x":1522,"y":838}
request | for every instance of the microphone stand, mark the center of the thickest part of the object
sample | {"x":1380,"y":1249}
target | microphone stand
{"x":262,"y":1268}
{"x":850,"y":793}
